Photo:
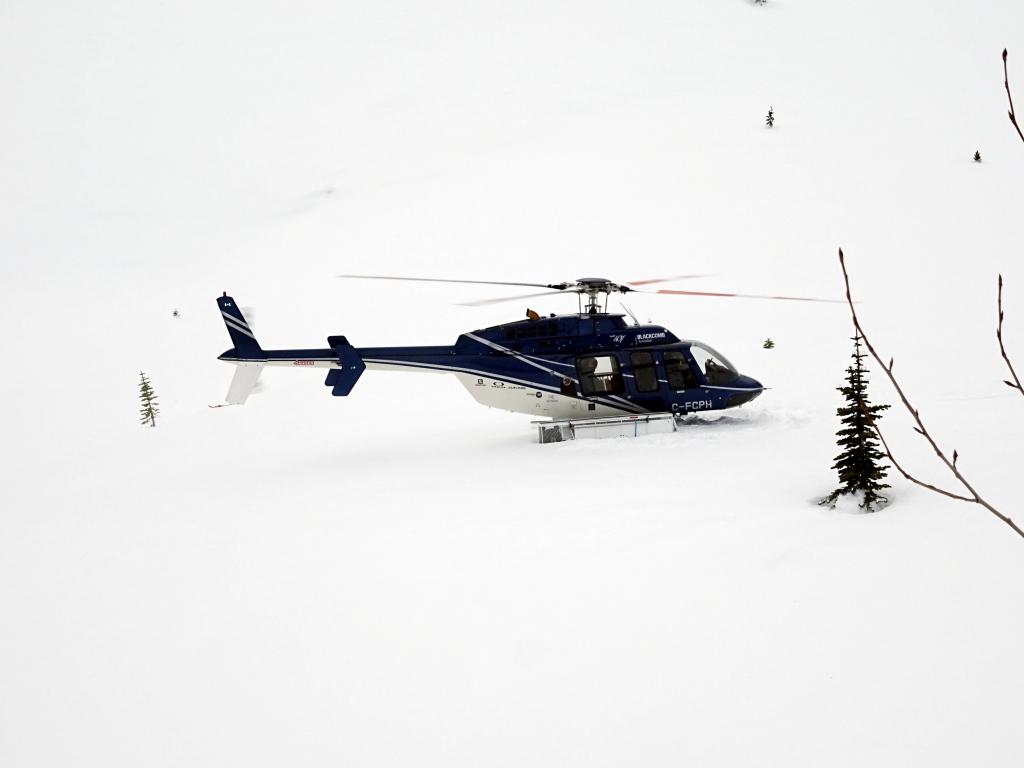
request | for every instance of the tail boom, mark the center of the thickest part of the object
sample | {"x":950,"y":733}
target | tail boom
{"x":344,"y":363}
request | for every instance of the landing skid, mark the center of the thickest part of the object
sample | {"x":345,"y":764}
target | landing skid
{"x":560,"y":430}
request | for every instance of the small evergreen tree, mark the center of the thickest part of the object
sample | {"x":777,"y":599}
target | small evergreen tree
{"x":858,"y":464}
{"x":768,"y":344}
{"x":977,"y":156}
{"x":147,"y":396}
{"x":770,"y":119}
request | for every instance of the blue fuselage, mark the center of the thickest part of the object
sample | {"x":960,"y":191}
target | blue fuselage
{"x":563,"y":367}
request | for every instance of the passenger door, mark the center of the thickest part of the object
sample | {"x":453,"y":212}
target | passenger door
{"x":644,"y":379}
{"x":678,"y":373}
{"x":599,"y":376}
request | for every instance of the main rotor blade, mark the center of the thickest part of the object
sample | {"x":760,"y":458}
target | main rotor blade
{"x":663,"y":279}
{"x":742,"y":296}
{"x":484,"y":302}
{"x":440,"y":280}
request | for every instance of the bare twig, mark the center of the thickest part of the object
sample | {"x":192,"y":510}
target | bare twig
{"x":1006,"y":82}
{"x":974,"y":497}
{"x":910,"y":477}
{"x":1015,"y":384}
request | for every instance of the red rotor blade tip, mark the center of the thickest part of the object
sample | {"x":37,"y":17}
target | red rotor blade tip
{"x":745,"y":296}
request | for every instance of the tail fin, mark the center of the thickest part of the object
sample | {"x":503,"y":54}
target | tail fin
{"x":241,"y":334}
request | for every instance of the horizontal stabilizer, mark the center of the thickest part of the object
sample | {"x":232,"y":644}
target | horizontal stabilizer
{"x":243,"y":382}
{"x":350,"y":367}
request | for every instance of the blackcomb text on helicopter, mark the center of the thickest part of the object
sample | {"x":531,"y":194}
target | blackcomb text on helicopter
{"x":591,"y":363}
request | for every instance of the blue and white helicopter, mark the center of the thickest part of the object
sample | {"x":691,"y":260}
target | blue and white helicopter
{"x":589,"y":364}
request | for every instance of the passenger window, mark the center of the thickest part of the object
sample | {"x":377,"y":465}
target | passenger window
{"x":677,"y":371}
{"x":644,"y":372}
{"x":599,"y":375}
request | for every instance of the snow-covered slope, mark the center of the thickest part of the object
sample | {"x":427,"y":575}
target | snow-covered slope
{"x":402,"y":577}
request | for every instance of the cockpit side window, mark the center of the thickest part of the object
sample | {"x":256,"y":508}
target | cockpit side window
{"x":644,"y":373}
{"x":599,"y":375}
{"x":677,"y":371}
{"x":717,"y":370}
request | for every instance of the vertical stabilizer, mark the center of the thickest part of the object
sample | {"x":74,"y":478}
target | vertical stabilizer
{"x":241,"y":334}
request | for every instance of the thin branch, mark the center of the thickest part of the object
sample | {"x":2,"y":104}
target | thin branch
{"x":902,"y":471}
{"x":974,"y":497}
{"x":1006,"y":82}
{"x":1015,"y":384}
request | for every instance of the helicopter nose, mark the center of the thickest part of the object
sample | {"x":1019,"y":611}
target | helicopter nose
{"x":750,"y":388}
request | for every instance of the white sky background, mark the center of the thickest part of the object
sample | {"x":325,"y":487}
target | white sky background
{"x":402,"y":577}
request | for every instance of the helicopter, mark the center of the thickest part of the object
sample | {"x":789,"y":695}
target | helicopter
{"x":589,"y":364}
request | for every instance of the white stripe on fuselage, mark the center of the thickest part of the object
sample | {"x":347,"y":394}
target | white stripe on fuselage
{"x":734,"y":389}
{"x":513,"y":353}
{"x":290,"y":362}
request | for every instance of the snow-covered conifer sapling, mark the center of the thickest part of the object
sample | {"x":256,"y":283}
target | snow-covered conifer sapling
{"x":859,"y":464}
{"x":147,"y":397}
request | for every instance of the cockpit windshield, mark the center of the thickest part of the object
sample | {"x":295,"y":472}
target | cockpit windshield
{"x":716,"y":369}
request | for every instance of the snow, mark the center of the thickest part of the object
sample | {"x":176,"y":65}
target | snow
{"x":404,"y":577}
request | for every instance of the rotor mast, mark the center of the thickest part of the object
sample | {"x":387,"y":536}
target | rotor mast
{"x":592,"y":288}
